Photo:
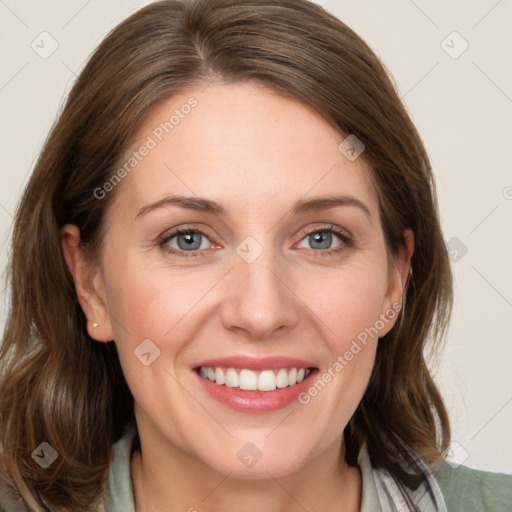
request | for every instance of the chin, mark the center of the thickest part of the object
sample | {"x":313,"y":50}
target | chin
{"x":254,"y":460}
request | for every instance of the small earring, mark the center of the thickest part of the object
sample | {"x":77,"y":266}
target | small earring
{"x":95,"y":324}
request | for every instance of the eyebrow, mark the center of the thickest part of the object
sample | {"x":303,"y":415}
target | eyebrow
{"x":213,"y":207}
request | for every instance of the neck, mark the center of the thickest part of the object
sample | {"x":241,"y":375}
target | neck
{"x":165,"y":477}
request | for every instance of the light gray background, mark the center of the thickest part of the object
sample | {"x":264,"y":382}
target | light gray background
{"x":462,"y":107}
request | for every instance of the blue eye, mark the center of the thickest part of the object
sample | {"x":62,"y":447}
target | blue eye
{"x":187,"y":240}
{"x":324,"y":239}
{"x":191,"y":242}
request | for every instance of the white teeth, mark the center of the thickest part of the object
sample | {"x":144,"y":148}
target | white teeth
{"x":282,"y":378}
{"x":249,"y":380}
{"x":231,"y":378}
{"x":219,"y":376}
{"x":267,"y":381}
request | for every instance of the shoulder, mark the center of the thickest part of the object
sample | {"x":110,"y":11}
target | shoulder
{"x":469,"y":489}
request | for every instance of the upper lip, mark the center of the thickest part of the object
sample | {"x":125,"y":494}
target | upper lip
{"x":257,"y":363}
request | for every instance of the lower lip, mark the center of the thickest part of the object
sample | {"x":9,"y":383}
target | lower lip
{"x":256,"y":401}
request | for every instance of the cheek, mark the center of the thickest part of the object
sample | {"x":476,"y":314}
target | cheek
{"x":348,"y":300}
{"x":153,"y":313}
{"x":349,"y":307}
{"x":151,"y":301}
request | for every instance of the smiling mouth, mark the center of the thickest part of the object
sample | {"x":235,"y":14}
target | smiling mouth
{"x":250,"y":380}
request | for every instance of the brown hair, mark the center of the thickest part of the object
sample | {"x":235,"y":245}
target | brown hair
{"x":60,"y":386}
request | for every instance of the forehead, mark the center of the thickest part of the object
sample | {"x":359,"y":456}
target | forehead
{"x":243,"y":144}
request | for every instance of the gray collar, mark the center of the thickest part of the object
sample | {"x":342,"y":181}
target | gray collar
{"x":382,"y":494}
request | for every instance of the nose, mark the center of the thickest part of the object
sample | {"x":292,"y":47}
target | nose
{"x":260,"y":302}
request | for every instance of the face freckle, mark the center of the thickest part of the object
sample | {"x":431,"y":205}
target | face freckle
{"x":236,"y":173}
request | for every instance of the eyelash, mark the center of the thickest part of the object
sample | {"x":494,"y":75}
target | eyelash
{"x":347,"y":241}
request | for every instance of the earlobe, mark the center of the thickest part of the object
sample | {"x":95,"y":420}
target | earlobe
{"x":88,"y":284}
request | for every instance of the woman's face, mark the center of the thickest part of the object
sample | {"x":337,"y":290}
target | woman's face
{"x":259,"y":279}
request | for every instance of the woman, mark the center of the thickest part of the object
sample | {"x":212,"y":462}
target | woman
{"x":177,"y":340}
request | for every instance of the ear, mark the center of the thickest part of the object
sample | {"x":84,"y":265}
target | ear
{"x":89,"y":284}
{"x":399,"y":269}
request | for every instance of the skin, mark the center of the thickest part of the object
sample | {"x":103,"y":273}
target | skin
{"x":257,"y":153}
